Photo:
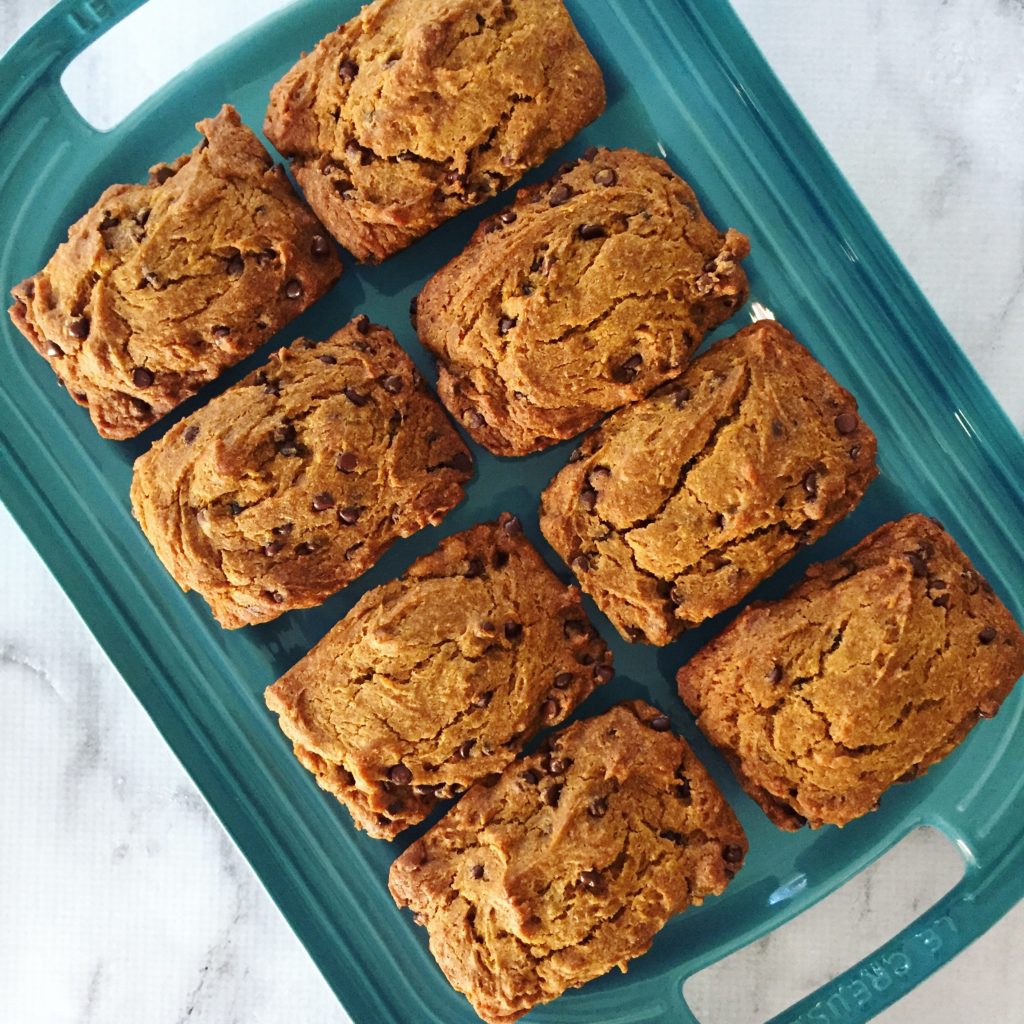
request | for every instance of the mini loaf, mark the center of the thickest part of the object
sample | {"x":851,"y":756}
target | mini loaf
{"x":160,"y":287}
{"x":586,"y":294}
{"x":440,"y":678}
{"x":296,"y":480}
{"x":570,"y":863}
{"x":416,"y":110}
{"x":677,"y":507}
{"x":872,"y":669}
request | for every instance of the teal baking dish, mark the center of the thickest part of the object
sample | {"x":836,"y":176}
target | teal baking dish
{"x":684,"y":78}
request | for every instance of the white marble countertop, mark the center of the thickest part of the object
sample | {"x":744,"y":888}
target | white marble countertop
{"x":121,"y":899}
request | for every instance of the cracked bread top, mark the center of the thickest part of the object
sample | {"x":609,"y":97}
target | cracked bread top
{"x":869,"y":671}
{"x":677,"y":507}
{"x":570,"y":863}
{"x":162,"y":286}
{"x":416,"y":110}
{"x":585,"y":295}
{"x":293,"y":482}
{"x":440,"y":678}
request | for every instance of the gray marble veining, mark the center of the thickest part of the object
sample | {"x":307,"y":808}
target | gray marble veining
{"x":120,"y":897}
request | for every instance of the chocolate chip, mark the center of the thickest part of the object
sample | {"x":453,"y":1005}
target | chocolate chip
{"x":53,"y":350}
{"x":461,"y":462}
{"x":303,"y":549}
{"x":855,"y":451}
{"x":464,"y":749}
{"x":400,"y":775}
{"x":681,"y":397}
{"x":319,"y":247}
{"x":284,"y":530}
{"x":293,"y":289}
{"x":355,"y":397}
{"x":190,"y":434}
{"x":988,"y":709}
{"x":506,"y":323}
{"x":606,"y":176}
{"x":580,"y":564}
{"x":942,"y":601}
{"x":810,"y":483}
{"x":660,"y":723}
{"x":590,"y":153}
{"x":588,"y":499}
{"x":273,"y":595}
{"x":272,"y":548}
{"x":221,"y":331}
{"x":560,"y":194}
{"x":508,"y":217}
{"x":474,"y":568}
{"x":987,"y":635}
{"x":328,"y":360}
{"x":236,"y":509}
{"x":510,"y":524}
{"x":629,"y":370}
{"x":142,"y":378}
{"x":732,"y":854}
{"x":551,"y":795}
{"x":527,"y":289}
{"x":603,"y":674}
{"x":477,"y":871}
{"x":549,"y":709}
{"x":349,"y":516}
{"x":392,"y":384}
{"x":563,"y":680}
{"x":235,"y":265}
{"x":323,"y":501}
{"x":272,"y":387}
{"x":474,"y":420}
{"x":598,"y":807}
{"x":346,"y":462}
{"x":917,"y":563}
{"x":513,"y":630}
{"x":774,"y":674}
{"x":79,"y":328}
{"x":592,"y":880}
{"x":846,"y":423}
{"x":576,"y":455}
{"x":347,"y":70}
{"x":588,"y":232}
{"x":362,"y":323}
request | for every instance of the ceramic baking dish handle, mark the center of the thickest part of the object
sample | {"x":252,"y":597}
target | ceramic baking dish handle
{"x":37,"y":60}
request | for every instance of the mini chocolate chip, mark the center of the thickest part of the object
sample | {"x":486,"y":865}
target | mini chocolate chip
{"x":221,"y":331}
{"x":591,"y":880}
{"x":513,"y":630}
{"x":392,"y":384}
{"x":235,"y":265}
{"x":323,"y":501}
{"x":936,"y":584}
{"x":190,"y":434}
{"x":510,"y":524}
{"x":603,"y":674}
{"x":846,"y":423}
{"x":506,"y":323}
{"x":284,"y":530}
{"x":474,"y":420}
{"x":551,"y":795}
{"x":527,"y":289}
{"x":774,"y":674}
{"x":273,"y":595}
{"x":162,"y":173}
{"x":328,"y":360}
{"x":464,"y":749}
{"x":560,"y":194}
{"x":917,"y":563}
{"x":400,"y":775}
{"x":810,"y":483}
{"x":346,"y":462}
{"x":987,"y":635}
{"x":79,"y":328}
{"x":477,"y":871}
{"x":303,"y":549}
{"x":988,"y":709}
{"x":461,"y":462}
{"x":590,"y":153}
{"x":629,"y":370}
{"x":236,"y":509}
{"x":580,"y":564}
{"x":355,"y":397}
{"x":598,"y":807}
{"x":606,"y":176}
{"x":483,"y":700}
{"x":588,"y":499}
{"x":530,"y":777}
{"x":855,"y":451}
{"x":588,"y":232}
{"x":660,"y":723}
{"x":272,"y":548}
{"x":563,"y":680}
{"x":732,"y":854}
{"x":363,"y":324}
{"x":576,"y":455}
{"x":272,"y":387}
{"x":942,"y":601}
{"x":349,"y":516}
{"x":319,"y":247}
{"x":487,"y":627}
{"x":474,"y":568}
{"x":53,"y":350}
{"x":347,"y":70}
{"x":681,"y":397}
{"x":293,"y":289}
{"x":549,"y":709}
{"x":142,"y":377}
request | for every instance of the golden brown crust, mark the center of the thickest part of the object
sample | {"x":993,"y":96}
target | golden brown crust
{"x":677,"y":507}
{"x":440,"y":678}
{"x":586,"y":294}
{"x":570,"y":863}
{"x":293,"y":482}
{"x":160,"y":287}
{"x":416,"y":110}
{"x":868,"y":672}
